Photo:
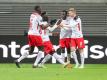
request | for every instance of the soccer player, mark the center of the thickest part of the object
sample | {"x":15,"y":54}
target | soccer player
{"x":77,"y":41}
{"x":48,"y":47}
{"x":65,"y":36}
{"x":34,"y":38}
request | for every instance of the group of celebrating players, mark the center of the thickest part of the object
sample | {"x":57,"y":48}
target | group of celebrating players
{"x":71,"y":38}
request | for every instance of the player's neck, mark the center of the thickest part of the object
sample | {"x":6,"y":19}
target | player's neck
{"x":74,"y":15}
{"x":36,"y":13}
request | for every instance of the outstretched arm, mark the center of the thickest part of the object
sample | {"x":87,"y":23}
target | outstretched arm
{"x":55,"y":26}
{"x":52,"y":28}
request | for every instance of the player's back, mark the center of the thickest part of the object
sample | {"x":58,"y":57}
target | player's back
{"x":34,"y":26}
{"x":45,"y":35}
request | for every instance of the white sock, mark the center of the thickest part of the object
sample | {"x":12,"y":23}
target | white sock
{"x":57,"y":57}
{"x":75,"y":57}
{"x":63,"y":56}
{"x":24,"y":55}
{"x":39,"y":56}
{"x":82,"y":58}
{"x":46,"y":58}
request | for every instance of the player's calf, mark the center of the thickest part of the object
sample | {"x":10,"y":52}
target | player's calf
{"x":17,"y":64}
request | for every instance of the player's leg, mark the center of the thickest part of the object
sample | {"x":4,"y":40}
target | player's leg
{"x":62,"y":47}
{"x":39,"y":44}
{"x":48,"y":51}
{"x":39,"y":56}
{"x":63,"y":53}
{"x":73,"y":52}
{"x":67,"y":45}
{"x":81,"y":51}
{"x":81,"y":46}
{"x":68,"y":54}
{"x":57,"y":57}
{"x":45,"y":59}
{"x":24,"y":55}
{"x":31,"y":41}
{"x":48,"y":48}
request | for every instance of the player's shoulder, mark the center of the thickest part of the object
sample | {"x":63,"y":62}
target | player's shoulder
{"x":63,"y":20}
{"x":44,"y":23}
{"x":77,"y":19}
{"x":36,"y":15}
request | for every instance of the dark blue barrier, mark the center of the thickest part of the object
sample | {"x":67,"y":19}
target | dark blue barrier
{"x":11,"y":47}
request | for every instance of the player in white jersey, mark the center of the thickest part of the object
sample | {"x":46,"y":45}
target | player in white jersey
{"x":48,"y":47}
{"x":34,"y":38}
{"x":65,"y":34}
{"x":77,"y":41}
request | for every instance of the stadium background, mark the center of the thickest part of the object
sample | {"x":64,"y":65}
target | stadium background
{"x":14,"y":18}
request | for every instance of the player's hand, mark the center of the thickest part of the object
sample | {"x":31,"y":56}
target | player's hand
{"x":47,"y":25}
{"x":59,"y":22}
{"x":44,"y":26}
{"x":61,"y":25}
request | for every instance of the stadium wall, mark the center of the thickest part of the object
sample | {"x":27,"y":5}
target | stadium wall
{"x":14,"y":17}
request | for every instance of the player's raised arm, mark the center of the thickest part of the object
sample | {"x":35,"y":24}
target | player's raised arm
{"x":52,"y":28}
{"x":65,"y":26}
{"x":56,"y":25}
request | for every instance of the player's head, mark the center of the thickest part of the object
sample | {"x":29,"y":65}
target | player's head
{"x":72,"y":12}
{"x":43,"y":13}
{"x":37,"y":9}
{"x":44,"y":16}
{"x":64,"y":14}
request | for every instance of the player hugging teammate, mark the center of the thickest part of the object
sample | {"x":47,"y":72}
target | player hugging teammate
{"x":76,"y":37}
{"x":71,"y":38}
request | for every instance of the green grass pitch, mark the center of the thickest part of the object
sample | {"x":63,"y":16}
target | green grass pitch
{"x":53,"y":72}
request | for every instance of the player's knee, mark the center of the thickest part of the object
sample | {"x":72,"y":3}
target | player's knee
{"x":81,"y":50}
{"x":52,"y":52}
{"x":58,"y":51}
{"x":63,"y":50}
{"x":31,"y":49}
{"x":72,"y":49}
{"x":68,"y":50}
{"x":40,"y":48}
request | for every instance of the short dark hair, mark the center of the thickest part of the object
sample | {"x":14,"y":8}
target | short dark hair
{"x":65,"y":14}
{"x":65,"y":11}
{"x":43,"y":13}
{"x":44,"y":16}
{"x":36,"y":8}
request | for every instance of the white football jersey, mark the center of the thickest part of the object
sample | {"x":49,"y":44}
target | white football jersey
{"x":65,"y":33}
{"x":76,"y":28}
{"x":35,"y":22}
{"x":46,"y":32}
{"x":45,"y":35}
